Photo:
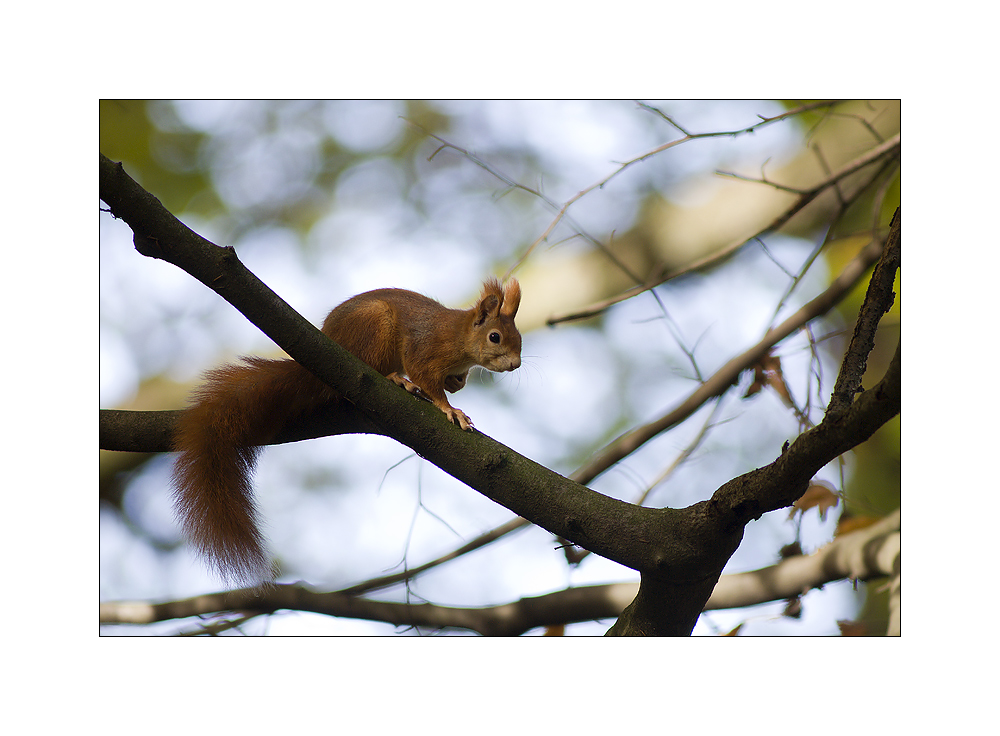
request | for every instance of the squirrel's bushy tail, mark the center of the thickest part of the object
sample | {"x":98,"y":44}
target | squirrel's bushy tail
{"x":239,"y":408}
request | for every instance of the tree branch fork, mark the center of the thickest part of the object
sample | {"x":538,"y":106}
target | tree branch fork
{"x":679,"y":553}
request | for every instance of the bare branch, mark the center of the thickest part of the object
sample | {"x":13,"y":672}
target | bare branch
{"x":728,"y":374}
{"x":401,"y":577}
{"x":887,"y":150}
{"x":562,"y":210}
{"x":862,"y":555}
{"x":512,"y":184}
{"x":660,"y":149}
{"x":878,"y":301}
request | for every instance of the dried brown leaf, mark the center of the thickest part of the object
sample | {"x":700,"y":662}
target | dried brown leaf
{"x":767,"y":372}
{"x":818,"y":495}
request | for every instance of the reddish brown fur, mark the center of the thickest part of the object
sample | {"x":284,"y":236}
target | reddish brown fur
{"x":241,"y":407}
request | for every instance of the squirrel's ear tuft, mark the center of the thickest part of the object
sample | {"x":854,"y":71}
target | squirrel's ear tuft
{"x":511,"y":298}
{"x":492,"y":287}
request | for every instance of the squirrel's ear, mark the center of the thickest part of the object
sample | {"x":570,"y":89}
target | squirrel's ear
{"x":511,"y":298}
{"x":486,"y":308}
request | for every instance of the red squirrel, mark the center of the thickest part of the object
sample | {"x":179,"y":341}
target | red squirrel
{"x":409,"y":338}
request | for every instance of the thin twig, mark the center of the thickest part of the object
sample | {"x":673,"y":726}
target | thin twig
{"x":480,"y":541}
{"x":845,"y":202}
{"x":576,"y":555}
{"x":889,"y":149}
{"x":512,"y":184}
{"x":684,"y":454}
{"x":728,"y":374}
{"x":660,"y":149}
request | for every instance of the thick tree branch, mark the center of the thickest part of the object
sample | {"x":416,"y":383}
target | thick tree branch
{"x":878,"y":301}
{"x":136,"y":431}
{"x":122,"y":430}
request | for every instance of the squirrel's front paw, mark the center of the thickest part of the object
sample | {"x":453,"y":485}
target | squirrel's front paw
{"x":454,"y":383}
{"x":459,"y":417}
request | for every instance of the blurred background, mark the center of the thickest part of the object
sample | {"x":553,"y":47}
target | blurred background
{"x":324,"y":200}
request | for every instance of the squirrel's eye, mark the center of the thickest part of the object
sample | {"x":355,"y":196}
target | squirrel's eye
{"x":495,"y":337}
